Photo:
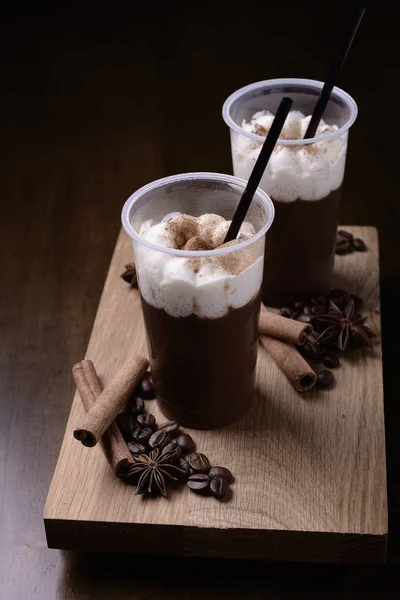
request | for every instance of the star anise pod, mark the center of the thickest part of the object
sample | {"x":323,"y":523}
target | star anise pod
{"x":343,"y":327}
{"x":152,"y":471}
{"x":129,"y":275}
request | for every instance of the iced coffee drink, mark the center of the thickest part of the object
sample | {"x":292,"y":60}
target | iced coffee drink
{"x":303,"y":178}
{"x":200,"y":297}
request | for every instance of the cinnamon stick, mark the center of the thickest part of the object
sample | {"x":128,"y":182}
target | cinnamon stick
{"x":290,"y":362}
{"x":89,"y":388}
{"x":111,"y":401}
{"x":285,"y":329}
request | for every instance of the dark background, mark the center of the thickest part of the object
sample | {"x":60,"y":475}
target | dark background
{"x":96,"y":102}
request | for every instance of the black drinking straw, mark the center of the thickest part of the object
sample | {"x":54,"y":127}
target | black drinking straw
{"x":334,"y":72}
{"x":259,"y":168}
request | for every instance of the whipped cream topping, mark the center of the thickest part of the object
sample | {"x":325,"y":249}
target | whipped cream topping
{"x":307,"y":172}
{"x":205,"y":286}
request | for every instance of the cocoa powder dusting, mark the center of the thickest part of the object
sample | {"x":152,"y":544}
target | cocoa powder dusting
{"x":188,"y":236}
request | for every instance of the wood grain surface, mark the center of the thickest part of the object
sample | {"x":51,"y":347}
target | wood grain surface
{"x":310,"y":468}
{"x":95,"y":103}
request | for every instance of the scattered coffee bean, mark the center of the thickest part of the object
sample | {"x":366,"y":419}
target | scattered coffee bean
{"x":219,"y":486}
{"x":135,"y":405}
{"x":359,"y":245}
{"x":346,"y":243}
{"x":307,"y":309}
{"x":318,"y":309}
{"x":343,"y":246}
{"x":198,"y":462}
{"x":184,"y":466}
{"x":145,"y":389}
{"x":345,"y":234}
{"x":359,"y":302}
{"x":299,"y":305}
{"x":159,"y":439}
{"x":199,"y":483}
{"x":125,"y":425}
{"x":311,"y":351}
{"x":172,"y":449}
{"x":142,"y":434}
{"x":129,"y":275}
{"x":171,"y":427}
{"x":331,"y":361}
{"x":186,"y":442}
{"x":146,"y":420}
{"x":325,"y":379}
{"x":286,"y":312}
{"x":338,"y":295}
{"x":136,"y":448}
{"x":304,"y":318}
{"x":221,"y":472}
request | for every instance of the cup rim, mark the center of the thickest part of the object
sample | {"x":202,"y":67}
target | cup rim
{"x":226,"y":109}
{"x":261,"y":195}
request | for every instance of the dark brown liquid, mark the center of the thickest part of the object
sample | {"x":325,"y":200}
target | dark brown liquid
{"x":300,"y":249}
{"x":203,"y":369}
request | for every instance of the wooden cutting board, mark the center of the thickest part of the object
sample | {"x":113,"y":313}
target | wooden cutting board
{"x":310,"y":469}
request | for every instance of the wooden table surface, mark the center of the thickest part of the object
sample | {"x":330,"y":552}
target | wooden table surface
{"x":93,"y":105}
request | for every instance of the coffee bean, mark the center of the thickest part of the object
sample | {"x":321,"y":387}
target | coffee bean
{"x":318,"y":300}
{"x":337,"y":294}
{"x":343,"y":247}
{"x":325,"y":379}
{"x":146,"y":420}
{"x":219,"y":486}
{"x":299,"y":305}
{"x":331,"y":361}
{"x":135,"y":405}
{"x":286,"y":312}
{"x":159,"y":439}
{"x":198,"y":462}
{"x":199,"y":483}
{"x":221,"y":472}
{"x":318,"y":309}
{"x":173,"y":449}
{"x":307,"y":309}
{"x":345,"y":234}
{"x":125,"y":425}
{"x":304,"y":318}
{"x":296,"y":314}
{"x":142,"y":434}
{"x":145,"y":389}
{"x":359,"y":245}
{"x":186,"y":442}
{"x":171,"y":427}
{"x":136,"y":448}
{"x":311,"y":351}
{"x":184,"y":466}
{"x":358,"y":302}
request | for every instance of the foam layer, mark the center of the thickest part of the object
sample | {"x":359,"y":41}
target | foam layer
{"x":206,"y":287}
{"x":309,"y":172}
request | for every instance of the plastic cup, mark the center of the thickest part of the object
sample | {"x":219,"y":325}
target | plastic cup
{"x":303,"y":178}
{"x":200,"y":308}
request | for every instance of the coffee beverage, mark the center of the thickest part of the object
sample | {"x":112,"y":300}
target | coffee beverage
{"x":303,"y":178}
{"x":200,"y":297}
{"x":201,"y":318}
{"x":304,"y":182}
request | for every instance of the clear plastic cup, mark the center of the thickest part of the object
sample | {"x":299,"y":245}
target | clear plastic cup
{"x":200,"y":308}
{"x":304,"y":180}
